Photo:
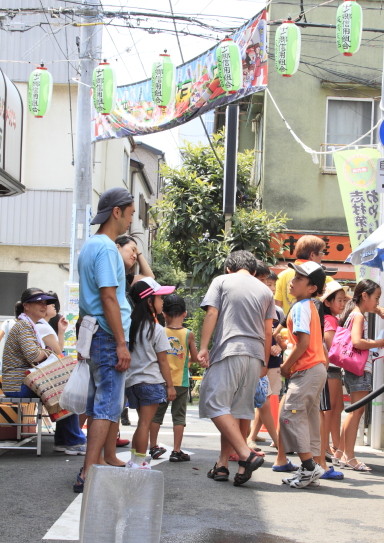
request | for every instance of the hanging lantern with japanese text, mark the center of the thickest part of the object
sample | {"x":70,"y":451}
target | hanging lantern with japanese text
{"x":104,"y":88}
{"x":287,"y":48}
{"x":229,"y":65}
{"x":349,"y":27}
{"x":39,"y":91}
{"x":163,"y":80}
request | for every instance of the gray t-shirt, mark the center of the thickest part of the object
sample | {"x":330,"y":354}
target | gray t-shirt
{"x":244,"y":303}
{"x":144,"y":366}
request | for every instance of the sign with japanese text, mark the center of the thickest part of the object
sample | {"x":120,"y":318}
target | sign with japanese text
{"x":356,"y":172}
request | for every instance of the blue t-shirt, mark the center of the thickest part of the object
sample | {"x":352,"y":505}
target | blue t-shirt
{"x":100,"y":265}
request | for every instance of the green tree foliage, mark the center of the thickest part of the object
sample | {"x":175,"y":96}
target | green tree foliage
{"x":190,"y":217}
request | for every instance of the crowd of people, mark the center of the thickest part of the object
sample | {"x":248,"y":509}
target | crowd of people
{"x":264,"y":338}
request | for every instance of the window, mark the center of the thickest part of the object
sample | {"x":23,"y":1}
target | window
{"x":347,"y":120}
{"x":143,"y":211}
{"x":11,"y":286}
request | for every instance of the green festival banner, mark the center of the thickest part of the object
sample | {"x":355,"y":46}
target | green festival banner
{"x":356,"y":173}
{"x":197,"y":88}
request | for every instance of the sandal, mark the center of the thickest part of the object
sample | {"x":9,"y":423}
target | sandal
{"x":252,"y":463}
{"x":359,"y":466}
{"x":338,"y":462}
{"x":78,"y":487}
{"x":218,"y":473}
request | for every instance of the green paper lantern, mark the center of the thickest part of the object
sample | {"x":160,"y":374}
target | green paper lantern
{"x":349,"y":27}
{"x":229,"y":65}
{"x":163,"y":80}
{"x":39,"y":91}
{"x":104,"y":88}
{"x":287,"y":48}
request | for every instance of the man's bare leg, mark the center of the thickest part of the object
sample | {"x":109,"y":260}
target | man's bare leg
{"x":98,"y":431}
{"x":110,"y":446}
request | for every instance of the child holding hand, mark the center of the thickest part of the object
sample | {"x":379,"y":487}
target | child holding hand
{"x":149,"y":381}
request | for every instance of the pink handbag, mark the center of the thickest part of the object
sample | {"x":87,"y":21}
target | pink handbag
{"x":343,"y":354}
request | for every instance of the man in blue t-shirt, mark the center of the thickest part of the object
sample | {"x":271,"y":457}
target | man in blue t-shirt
{"x":102,"y":295}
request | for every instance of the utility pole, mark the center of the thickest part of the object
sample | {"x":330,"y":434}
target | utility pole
{"x":82,"y":194}
{"x":230,"y":164}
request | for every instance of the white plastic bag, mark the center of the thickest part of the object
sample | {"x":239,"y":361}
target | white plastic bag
{"x":75,"y":393}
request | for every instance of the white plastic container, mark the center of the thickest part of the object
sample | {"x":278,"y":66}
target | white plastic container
{"x":122,"y":505}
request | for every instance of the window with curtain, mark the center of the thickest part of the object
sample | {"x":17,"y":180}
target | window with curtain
{"x":347,"y":120}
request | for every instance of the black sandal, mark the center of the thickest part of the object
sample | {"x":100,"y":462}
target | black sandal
{"x":218,"y":473}
{"x":250,"y":466}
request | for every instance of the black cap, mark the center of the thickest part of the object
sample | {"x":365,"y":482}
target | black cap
{"x":312,"y":270}
{"x":111,"y":198}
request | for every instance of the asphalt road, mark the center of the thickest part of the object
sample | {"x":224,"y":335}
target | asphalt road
{"x":35,"y":491}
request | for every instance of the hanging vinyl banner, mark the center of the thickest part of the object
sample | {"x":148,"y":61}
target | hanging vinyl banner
{"x":200,"y":86}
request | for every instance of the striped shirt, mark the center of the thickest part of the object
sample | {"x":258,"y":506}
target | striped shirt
{"x":20,"y":351}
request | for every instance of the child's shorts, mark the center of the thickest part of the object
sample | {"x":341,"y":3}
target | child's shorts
{"x":356,"y":383}
{"x":146,"y":394}
{"x":178,"y":408}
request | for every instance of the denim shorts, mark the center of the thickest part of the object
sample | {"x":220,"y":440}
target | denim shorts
{"x":146,"y":394}
{"x":356,"y":383}
{"x":106,"y":384}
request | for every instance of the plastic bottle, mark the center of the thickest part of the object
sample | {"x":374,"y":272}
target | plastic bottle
{"x":287,"y":351}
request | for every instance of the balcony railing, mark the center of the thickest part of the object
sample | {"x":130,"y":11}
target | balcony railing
{"x":326,"y":162}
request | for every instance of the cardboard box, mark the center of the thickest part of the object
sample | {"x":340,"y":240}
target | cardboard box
{"x":8,"y":414}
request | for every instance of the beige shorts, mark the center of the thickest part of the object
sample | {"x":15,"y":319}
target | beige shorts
{"x":274,"y":376}
{"x":299,"y":416}
{"x":228,"y":388}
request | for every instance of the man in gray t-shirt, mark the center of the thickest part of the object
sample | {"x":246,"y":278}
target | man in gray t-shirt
{"x":240,"y":310}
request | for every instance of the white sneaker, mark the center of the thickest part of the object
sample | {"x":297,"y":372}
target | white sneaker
{"x":304,"y":477}
{"x":76,"y":449}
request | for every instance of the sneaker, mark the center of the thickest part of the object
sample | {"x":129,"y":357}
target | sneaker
{"x":179,"y":456}
{"x":156,"y":451}
{"x":304,"y":477}
{"x":60,"y":448}
{"x":76,"y":449}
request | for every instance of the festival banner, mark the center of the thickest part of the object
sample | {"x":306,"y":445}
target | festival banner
{"x":197,"y":89}
{"x":356,"y":173}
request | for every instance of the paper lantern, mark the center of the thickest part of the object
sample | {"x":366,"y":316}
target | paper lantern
{"x":39,"y":91}
{"x":104,"y":88}
{"x":349,"y":26}
{"x":163,"y":80}
{"x":229,"y":65}
{"x":287,"y":48}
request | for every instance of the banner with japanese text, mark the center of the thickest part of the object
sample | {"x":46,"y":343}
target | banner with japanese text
{"x":356,"y":173}
{"x":197,"y":89}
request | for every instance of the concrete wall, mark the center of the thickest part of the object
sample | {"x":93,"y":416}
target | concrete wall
{"x":291,"y":181}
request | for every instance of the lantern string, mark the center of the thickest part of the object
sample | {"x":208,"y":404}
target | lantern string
{"x":308,"y":149}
